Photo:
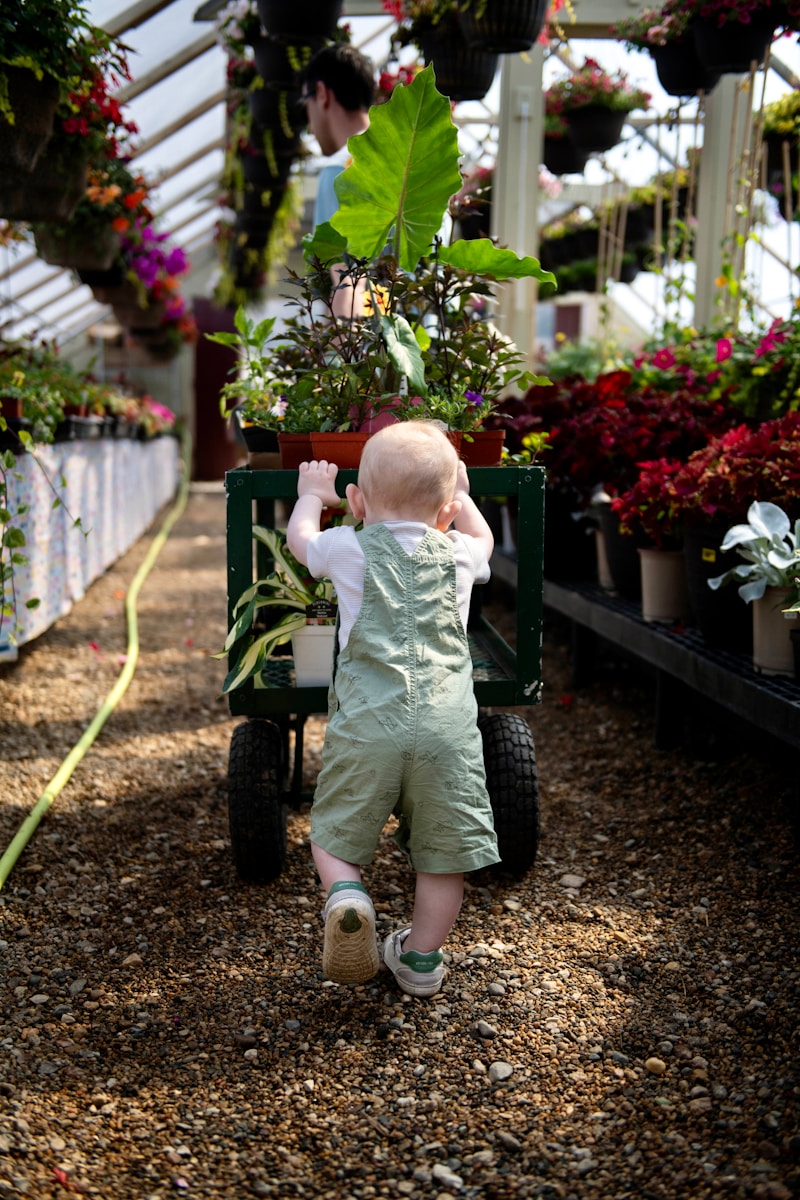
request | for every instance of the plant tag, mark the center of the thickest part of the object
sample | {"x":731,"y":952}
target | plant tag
{"x":320,"y":612}
{"x":708,"y":554}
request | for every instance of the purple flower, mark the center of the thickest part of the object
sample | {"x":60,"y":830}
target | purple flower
{"x":474,"y":398}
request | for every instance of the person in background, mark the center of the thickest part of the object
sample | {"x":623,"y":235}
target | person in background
{"x":337,"y":88}
{"x":402,"y":733}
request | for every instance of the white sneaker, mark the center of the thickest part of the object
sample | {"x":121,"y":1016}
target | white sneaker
{"x":416,"y":974}
{"x":350,"y":949}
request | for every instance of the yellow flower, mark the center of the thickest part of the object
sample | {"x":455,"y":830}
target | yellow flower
{"x":381,"y":295}
{"x":721,"y":281}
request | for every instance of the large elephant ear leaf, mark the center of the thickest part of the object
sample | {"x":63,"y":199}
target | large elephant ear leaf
{"x":404,"y":171}
{"x":482,"y":257}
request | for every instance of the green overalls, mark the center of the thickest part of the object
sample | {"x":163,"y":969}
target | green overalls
{"x":402,"y":734}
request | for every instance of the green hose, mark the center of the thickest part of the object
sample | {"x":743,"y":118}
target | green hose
{"x":64,"y":772}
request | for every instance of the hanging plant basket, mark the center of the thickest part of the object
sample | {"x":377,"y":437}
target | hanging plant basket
{"x":33,"y":102}
{"x":731,"y":48}
{"x":278,"y":63}
{"x":271,"y":108}
{"x":679,"y":70}
{"x":505,"y":26}
{"x":594,"y":128}
{"x":263,"y":173}
{"x":133,"y":317}
{"x":293,"y":22}
{"x":562,"y":157}
{"x":84,"y":250}
{"x":461,"y":73}
{"x":50,"y":192}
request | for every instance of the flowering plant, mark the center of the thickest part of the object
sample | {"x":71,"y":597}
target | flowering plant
{"x":654,"y":26}
{"x":770,"y":550}
{"x":761,"y":369}
{"x":740,"y":11}
{"x":237,"y":25}
{"x":394,"y":75}
{"x":590,"y":84}
{"x":719,"y":480}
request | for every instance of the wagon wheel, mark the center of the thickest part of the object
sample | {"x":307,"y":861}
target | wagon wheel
{"x":256,"y":800}
{"x":513,"y":784}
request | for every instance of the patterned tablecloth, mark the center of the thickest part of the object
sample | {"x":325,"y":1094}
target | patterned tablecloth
{"x":116,"y":487}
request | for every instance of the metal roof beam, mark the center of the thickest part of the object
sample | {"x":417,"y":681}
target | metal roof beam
{"x":137,"y":14}
{"x":168,"y":67}
{"x":180,"y":121}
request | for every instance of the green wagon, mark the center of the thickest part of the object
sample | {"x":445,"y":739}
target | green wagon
{"x":265,"y":772}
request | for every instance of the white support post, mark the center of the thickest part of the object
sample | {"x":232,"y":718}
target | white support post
{"x":515,"y":189}
{"x":713,"y":217}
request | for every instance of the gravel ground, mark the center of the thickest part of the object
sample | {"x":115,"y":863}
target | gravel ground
{"x":621,"y":1022}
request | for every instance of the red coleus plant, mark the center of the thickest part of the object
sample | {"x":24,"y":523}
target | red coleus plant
{"x":601,"y":430}
{"x":717,"y":483}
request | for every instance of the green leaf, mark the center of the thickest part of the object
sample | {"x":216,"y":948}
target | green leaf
{"x":403,"y":173}
{"x":325,"y":243}
{"x":404,"y":351}
{"x":482,"y":257}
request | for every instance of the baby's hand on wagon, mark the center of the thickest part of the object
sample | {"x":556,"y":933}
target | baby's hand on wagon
{"x":319,"y":479}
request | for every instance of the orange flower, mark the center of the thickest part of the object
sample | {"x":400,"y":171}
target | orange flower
{"x":120,"y":224}
{"x":135,"y":198}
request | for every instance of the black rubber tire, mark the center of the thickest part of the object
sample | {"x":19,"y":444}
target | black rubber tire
{"x":512,"y":780}
{"x":256,"y":801}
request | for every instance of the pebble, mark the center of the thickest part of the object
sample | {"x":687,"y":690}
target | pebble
{"x":656,"y":1066}
{"x":219,"y":1058}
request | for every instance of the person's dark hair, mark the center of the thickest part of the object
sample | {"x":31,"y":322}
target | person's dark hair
{"x":346,"y":71}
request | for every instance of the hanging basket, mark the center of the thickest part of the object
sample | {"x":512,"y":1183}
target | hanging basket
{"x":680,"y":71}
{"x":562,"y":157}
{"x":272,"y":108}
{"x":594,"y":128}
{"x":293,"y":22}
{"x":731,"y":48}
{"x":82,"y":250}
{"x":278,"y":63}
{"x":33,"y":102}
{"x":50,"y":192}
{"x":505,"y":26}
{"x":263,"y":174}
{"x":461,"y":73}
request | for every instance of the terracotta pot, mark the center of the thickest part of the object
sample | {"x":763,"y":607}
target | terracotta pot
{"x":485,"y":449}
{"x":344,"y":449}
{"x":295,"y":448}
{"x":11,"y":407}
{"x":33,"y":102}
{"x":505,"y":27}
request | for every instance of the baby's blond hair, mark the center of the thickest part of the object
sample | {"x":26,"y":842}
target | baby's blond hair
{"x":409,"y":467}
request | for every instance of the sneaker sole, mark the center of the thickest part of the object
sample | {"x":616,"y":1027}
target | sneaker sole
{"x":350,"y":957}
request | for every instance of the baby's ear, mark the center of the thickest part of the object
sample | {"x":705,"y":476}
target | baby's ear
{"x":355,"y":499}
{"x":447,"y":514}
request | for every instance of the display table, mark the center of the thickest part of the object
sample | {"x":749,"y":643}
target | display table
{"x":115,"y":487}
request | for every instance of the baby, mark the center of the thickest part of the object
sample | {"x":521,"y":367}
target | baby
{"x":402,"y":732}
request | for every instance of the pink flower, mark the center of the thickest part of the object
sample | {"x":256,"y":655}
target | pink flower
{"x":724,"y":349}
{"x":664,"y":359}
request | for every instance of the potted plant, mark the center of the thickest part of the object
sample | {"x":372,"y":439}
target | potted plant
{"x":503,"y":26}
{"x":770,"y":548}
{"x":731,"y":35}
{"x":42,"y":51}
{"x":594,"y":103}
{"x":666,"y":34}
{"x":781,"y":135}
{"x":307,"y":607}
{"x":413,"y":322}
{"x":433,"y":26}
